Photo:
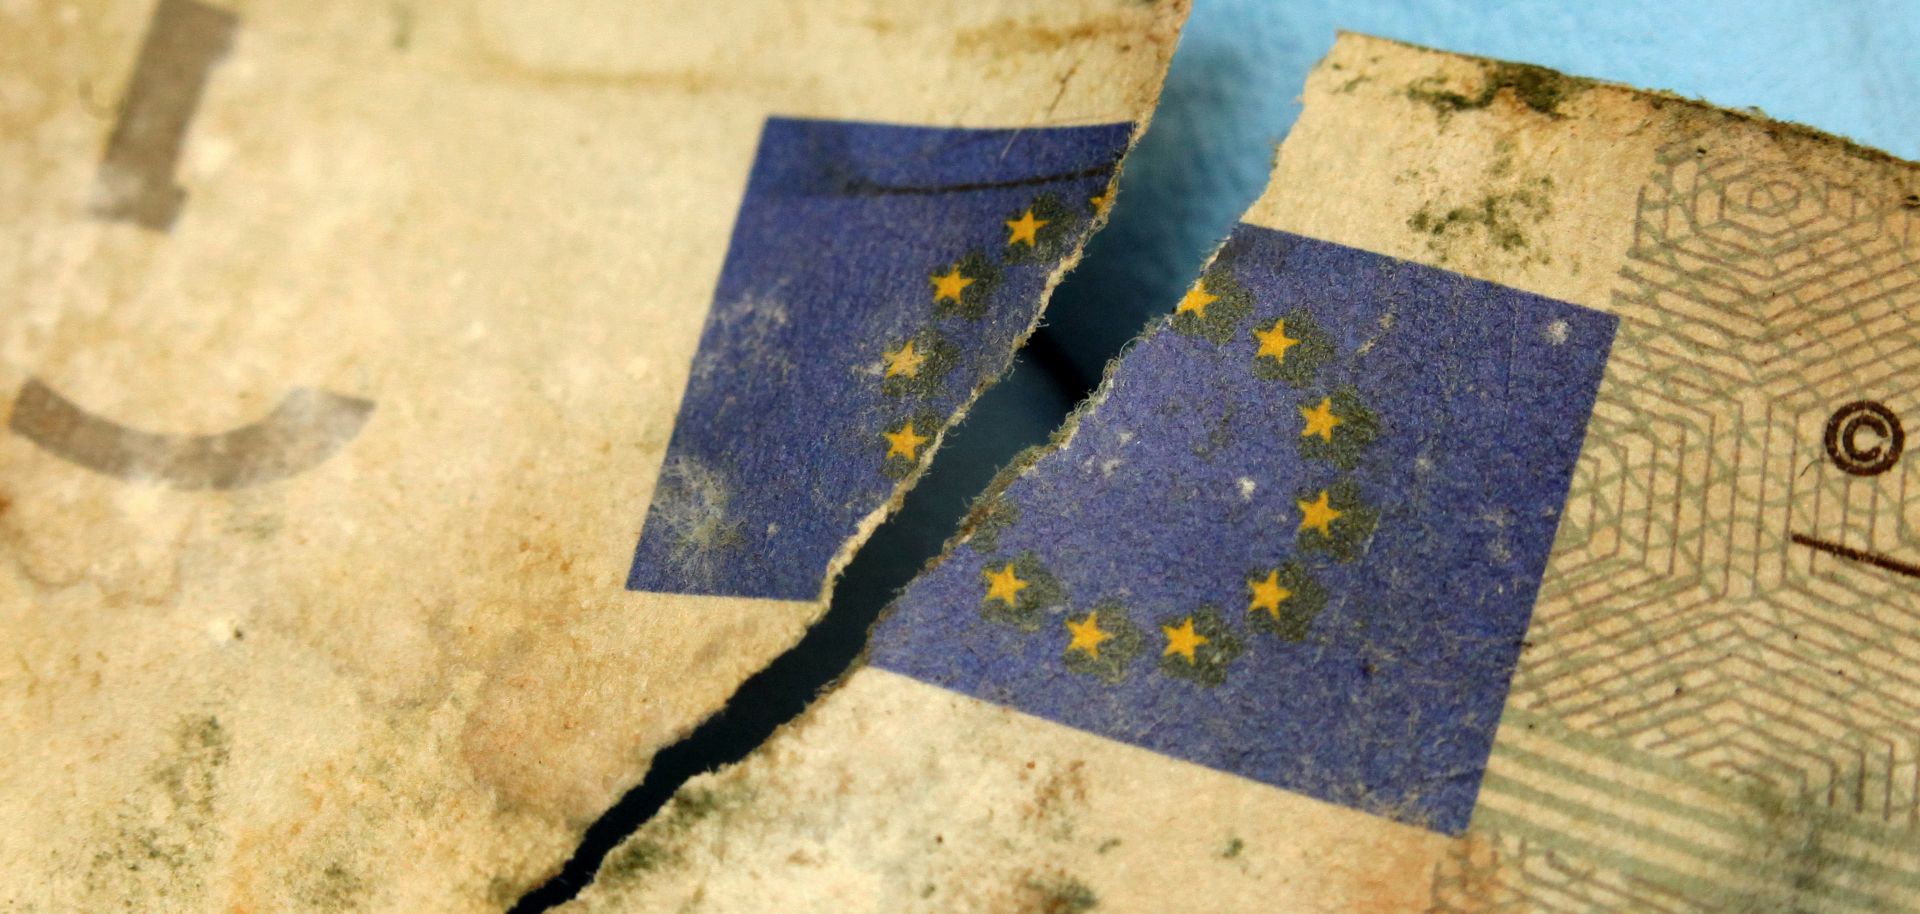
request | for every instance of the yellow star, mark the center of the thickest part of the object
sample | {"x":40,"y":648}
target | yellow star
{"x":1087,"y":635}
{"x":1320,"y":420}
{"x":1182,"y":640}
{"x":950,"y":285}
{"x":1024,"y":228}
{"x":1101,"y":200}
{"x":1004,"y":585}
{"x":904,"y":360}
{"x":1274,"y":341}
{"x":1317,"y":514}
{"x":1268,"y":594}
{"x":1196,"y":300}
{"x":905,"y":443}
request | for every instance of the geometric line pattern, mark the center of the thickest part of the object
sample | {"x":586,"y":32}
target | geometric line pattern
{"x":1640,"y":823}
{"x":1678,"y":623}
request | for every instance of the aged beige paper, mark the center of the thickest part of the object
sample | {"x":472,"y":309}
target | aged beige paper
{"x":341,"y":349}
{"x":1701,"y":698}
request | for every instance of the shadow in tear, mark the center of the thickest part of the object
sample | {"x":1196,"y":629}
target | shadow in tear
{"x":1165,"y":217}
{"x":1024,"y":414}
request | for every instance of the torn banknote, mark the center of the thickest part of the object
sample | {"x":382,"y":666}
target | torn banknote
{"x":1511,"y":518}
{"x":417,"y":414}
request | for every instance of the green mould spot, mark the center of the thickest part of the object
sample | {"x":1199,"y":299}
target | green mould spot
{"x":1233,"y":849}
{"x":1799,"y":840}
{"x":333,"y":888}
{"x":1538,"y":88}
{"x":158,"y":841}
{"x":655,"y":845}
{"x":1064,"y":895}
{"x":694,"y":804}
{"x":1503,"y":218}
{"x":634,"y":858}
{"x":503,"y":891}
{"x":190,"y":774}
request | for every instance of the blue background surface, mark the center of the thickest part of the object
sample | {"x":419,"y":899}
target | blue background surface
{"x":1844,"y":66}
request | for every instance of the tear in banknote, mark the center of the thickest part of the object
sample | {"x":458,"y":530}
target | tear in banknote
{"x":420,"y":413}
{"x":1511,"y":518}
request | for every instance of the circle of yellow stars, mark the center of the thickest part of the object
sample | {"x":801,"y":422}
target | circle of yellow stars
{"x":1264,"y":594}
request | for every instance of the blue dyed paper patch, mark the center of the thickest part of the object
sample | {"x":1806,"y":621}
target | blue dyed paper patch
{"x":1299,"y":540}
{"x":877,"y":274}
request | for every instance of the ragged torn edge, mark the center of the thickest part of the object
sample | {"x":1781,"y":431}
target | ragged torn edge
{"x":656,"y":843}
{"x":1175,"y":22}
{"x":1538,"y":88}
{"x":1543,"y":89}
{"x":653,"y":843}
{"x":693,"y":798}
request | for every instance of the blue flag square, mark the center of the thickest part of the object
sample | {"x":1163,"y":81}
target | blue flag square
{"x":877,"y":275}
{"x":1298,"y":540}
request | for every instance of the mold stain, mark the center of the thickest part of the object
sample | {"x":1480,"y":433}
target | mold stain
{"x":691,"y":508}
{"x":1538,"y":88}
{"x":152,"y":851}
{"x":1056,"y":895}
{"x":333,"y":887}
{"x":1011,"y":36}
{"x":1502,"y":219}
{"x":1799,"y":847}
{"x":660,"y":843}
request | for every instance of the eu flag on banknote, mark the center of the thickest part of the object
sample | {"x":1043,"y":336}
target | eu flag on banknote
{"x":877,"y":275}
{"x":1299,"y":538}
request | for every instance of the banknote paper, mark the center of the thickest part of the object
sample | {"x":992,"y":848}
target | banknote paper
{"x":418,"y":413}
{"x":1510,"y":518}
